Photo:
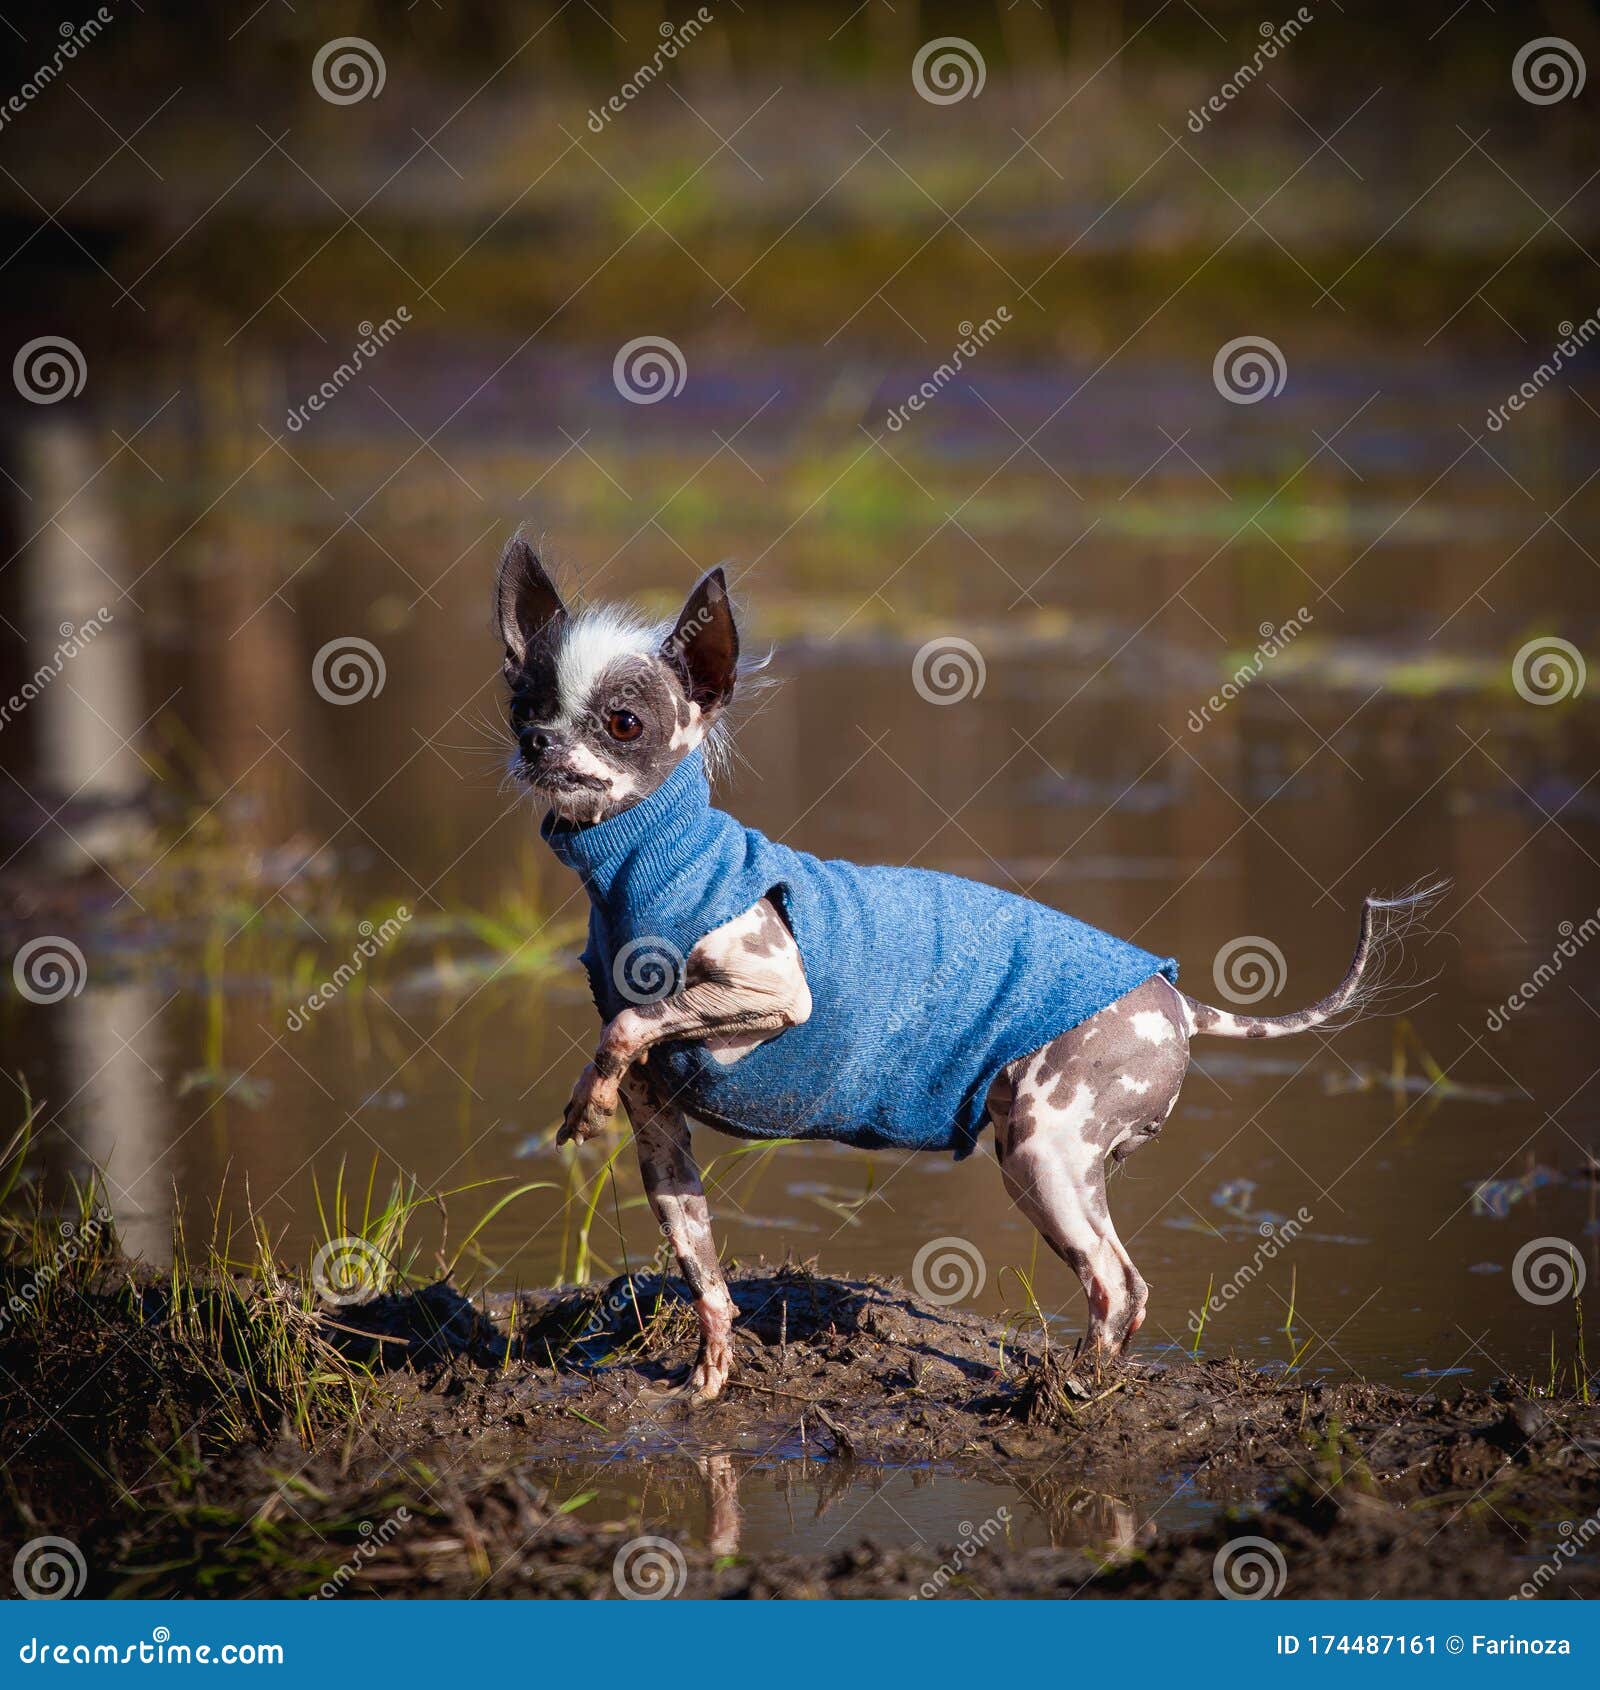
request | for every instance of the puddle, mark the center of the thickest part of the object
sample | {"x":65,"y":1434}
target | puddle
{"x":737,"y":1504}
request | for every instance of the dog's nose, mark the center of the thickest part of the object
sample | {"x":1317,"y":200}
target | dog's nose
{"x":534,"y":742}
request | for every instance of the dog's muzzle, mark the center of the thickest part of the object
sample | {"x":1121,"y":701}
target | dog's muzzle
{"x":542,"y":764}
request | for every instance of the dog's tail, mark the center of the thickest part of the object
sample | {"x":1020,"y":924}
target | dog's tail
{"x":1385,"y":922}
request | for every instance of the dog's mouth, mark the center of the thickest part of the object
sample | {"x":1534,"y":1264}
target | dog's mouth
{"x":558,"y":780}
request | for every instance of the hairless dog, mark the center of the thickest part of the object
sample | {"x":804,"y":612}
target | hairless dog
{"x":752,"y":987}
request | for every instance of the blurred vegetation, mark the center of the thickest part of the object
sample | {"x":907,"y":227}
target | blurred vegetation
{"x":785,"y":157}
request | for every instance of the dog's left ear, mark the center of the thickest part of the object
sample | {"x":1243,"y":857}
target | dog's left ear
{"x":704,"y":646}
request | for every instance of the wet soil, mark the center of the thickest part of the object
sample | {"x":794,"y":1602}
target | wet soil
{"x":488,"y":1430}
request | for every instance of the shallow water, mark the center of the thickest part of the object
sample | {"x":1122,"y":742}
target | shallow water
{"x":251,"y":824}
{"x":787,"y":1504}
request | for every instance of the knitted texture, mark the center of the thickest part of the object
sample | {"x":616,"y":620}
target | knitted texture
{"x":923,"y":986}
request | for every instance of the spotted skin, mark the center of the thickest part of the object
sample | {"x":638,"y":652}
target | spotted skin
{"x":742,"y":984}
{"x":678,"y":1202}
{"x":1096,"y":1093}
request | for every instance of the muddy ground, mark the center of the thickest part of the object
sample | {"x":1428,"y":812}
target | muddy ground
{"x":428,"y":1487}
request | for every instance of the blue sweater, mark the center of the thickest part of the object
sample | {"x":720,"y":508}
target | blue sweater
{"x":923,"y":986}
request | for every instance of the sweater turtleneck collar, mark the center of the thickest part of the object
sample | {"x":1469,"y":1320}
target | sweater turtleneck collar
{"x":655,"y":827}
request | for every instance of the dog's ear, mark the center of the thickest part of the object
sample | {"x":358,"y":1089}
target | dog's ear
{"x":704,"y":646}
{"x":526,"y":604}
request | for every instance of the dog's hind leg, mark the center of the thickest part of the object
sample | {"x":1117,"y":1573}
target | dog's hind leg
{"x":1101,"y":1089}
{"x":1138,"y":1293}
{"x":1054,"y":1176}
{"x":672,"y":1185}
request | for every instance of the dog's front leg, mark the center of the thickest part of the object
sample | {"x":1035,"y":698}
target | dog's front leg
{"x":697,"y":1013}
{"x":731,"y":990}
{"x":672,"y":1184}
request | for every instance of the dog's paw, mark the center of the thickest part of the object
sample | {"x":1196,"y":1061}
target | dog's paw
{"x":703,"y":1385}
{"x":589,"y":1109}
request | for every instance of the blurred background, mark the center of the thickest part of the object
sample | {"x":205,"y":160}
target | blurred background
{"x":1157,"y":443}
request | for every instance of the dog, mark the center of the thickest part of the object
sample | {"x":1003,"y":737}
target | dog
{"x":756,"y":989}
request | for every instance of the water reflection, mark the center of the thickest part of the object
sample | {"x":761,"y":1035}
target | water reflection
{"x":85,"y":710}
{"x":112,"y":1066}
{"x":724,"y":1521}
{"x":84,"y":721}
{"x":757,"y":1507}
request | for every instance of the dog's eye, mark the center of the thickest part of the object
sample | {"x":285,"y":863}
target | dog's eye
{"x":624,"y":725}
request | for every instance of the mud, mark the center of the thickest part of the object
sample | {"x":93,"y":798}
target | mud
{"x":524,"y":1446}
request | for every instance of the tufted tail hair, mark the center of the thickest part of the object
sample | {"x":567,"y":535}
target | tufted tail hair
{"x":1385,"y":924}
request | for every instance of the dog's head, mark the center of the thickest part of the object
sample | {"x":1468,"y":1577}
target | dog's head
{"x":604,"y":706}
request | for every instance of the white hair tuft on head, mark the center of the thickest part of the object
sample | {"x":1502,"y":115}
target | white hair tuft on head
{"x":592,"y":642}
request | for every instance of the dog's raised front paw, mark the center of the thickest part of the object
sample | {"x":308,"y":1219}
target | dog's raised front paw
{"x":589,"y":1109}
